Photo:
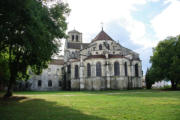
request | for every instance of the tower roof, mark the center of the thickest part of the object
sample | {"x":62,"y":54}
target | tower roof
{"x":73,"y":31}
{"x":102,"y":36}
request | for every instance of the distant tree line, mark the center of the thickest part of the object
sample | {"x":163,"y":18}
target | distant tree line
{"x":165,"y":63}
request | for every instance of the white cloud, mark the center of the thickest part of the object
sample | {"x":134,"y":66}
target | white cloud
{"x":168,"y":22}
{"x":86,"y":16}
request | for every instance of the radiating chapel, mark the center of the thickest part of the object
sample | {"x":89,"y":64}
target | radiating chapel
{"x":101,"y":64}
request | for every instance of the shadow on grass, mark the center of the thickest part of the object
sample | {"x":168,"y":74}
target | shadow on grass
{"x":22,"y":108}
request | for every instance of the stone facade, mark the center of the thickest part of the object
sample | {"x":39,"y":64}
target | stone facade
{"x":50,"y":79}
{"x":105,"y":51}
{"x":99,"y":65}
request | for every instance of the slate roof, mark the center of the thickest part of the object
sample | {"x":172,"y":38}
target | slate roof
{"x":102,"y":36}
{"x":73,"y":31}
{"x":77,"y":45}
{"x":103,"y":56}
{"x":57,"y":62}
{"x":115,"y":56}
{"x":95,"y":56}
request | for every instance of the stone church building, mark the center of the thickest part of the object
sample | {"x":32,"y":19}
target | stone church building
{"x":99,"y":65}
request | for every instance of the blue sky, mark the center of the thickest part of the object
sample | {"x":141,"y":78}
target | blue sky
{"x":137,"y":24}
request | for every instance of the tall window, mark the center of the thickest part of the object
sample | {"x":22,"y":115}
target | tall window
{"x":39,"y":83}
{"x":60,"y":83}
{"x":57,"y":71}
{"x":108,"y":46}
{"x":88,"y":70}
{"x":77,"y":38}
{"x":136,"y":70}
{"x":100,"y":47}
{"x":72,"y":37}
{"x":116,"y":69}
{"x":49,"y":83}
{"x":98,"y":69}
{"x":125,"y":69}
{"x":69,"y":69}
{"x":76,"y":72}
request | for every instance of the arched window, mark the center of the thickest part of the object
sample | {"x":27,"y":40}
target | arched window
{"x":136,"y":70}
{"x":77,"y":38}
{"x":100,"y":47}
{"x":69,"y":69}
{"x":49,"y":83}
{"x":98,"y":69}
{"x":88,"y":70}
{"x":125,"y":69}
{"x":76,"y":72}
{"x":57,"y":71}
{"x":39,"y":83}
{"x":72,"y":37}
{"x":73,"y":55}
{"x":60,"y":83}
{"x":116,"y":69}
{"x":107,"y":46}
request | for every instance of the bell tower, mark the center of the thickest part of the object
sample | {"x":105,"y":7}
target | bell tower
{"x":74,"y":36}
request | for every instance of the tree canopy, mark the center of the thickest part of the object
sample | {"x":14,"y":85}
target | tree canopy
{"x":166,"y":60}
{"x":30,"y":34}
{"x":150,"y":78}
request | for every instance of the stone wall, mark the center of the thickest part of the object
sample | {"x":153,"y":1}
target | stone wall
{"x":53,"y":73}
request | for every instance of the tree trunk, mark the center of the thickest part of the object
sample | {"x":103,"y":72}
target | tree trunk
{"x":173,"y":85}
{"x":10,"y":87}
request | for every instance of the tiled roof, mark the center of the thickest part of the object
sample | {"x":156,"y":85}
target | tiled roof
{"x":57,"y":62}
{"x":73,"y":31}
{"x":103,"y":56}
{"x":115,"y":56}
{"x":77,"y":45}
{"x":95,"y":56}
{"x":102,"y":36}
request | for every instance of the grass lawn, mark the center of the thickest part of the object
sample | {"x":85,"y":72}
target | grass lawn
{"x":101,"y":105}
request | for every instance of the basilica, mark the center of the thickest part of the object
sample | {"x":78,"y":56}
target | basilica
{"x":102,"y":64}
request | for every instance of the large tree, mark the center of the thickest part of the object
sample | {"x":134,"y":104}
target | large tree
{"x":30,"y":33}
{"x":4,"y":71}
{"x":166,"y":60}
{"x":150,"y":78}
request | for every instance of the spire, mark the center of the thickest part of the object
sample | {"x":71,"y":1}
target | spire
{"x":102,"y":25}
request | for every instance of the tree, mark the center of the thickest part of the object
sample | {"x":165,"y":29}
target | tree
{"x":150,"y":77}
{"x":4,"y":71}
{"x":166,"y":60}
{"x":30,"y":33}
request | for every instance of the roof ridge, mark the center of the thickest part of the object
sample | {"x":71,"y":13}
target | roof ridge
{"x":102,"y":36}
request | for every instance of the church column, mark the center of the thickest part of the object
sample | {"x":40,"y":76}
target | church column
{"x":122,"y":72}
{"x":107,"y":72}
{"x":130,"y":74}
{"x":140,"y":75}
{"x":82,"y":82}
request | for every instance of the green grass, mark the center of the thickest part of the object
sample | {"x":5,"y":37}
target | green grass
{"x":96,"y":105}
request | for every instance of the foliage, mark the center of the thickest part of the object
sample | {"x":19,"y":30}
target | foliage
{"x":4,"y":70}
{"x":30,"y":33}
{"x":150,"y":78}
{"x":166,"y":60}
{"x":102,"y":105}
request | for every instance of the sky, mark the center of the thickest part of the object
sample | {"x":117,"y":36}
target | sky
{"x":136,"y":24}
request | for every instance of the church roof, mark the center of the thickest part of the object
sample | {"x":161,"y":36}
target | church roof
{"x":57,"y":62}
{"x":73,"y":31}
{"x":77,"y":45}
{"x":95,"y":56}
{"x":102,"y":36}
